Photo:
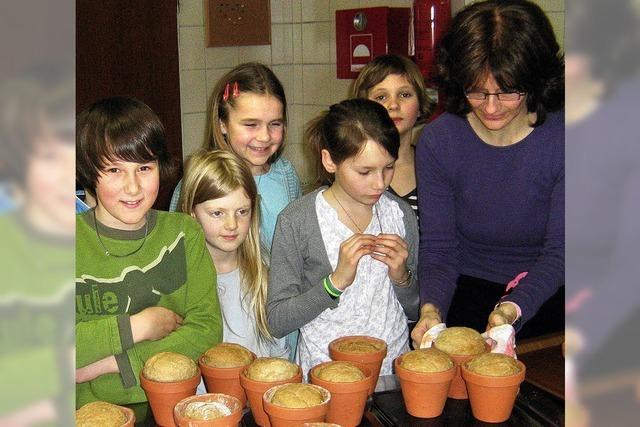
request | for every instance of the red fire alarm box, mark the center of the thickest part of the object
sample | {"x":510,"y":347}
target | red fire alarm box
{"x":363,"y":34}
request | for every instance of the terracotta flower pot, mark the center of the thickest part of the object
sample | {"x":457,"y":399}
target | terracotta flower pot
{"x":131,"y":418}
{"x":492,"y":398}
{"x":164,"y":396}
{"x":424,"y":393}
{"x":372,"y":360}
{"x":321,"y":424}
{"x":458,"y":389}
{"x":255,"y":390}
{"x":348,"y":399}
{"x":279,"y":416}
{"x":231,"y":402}
{"x":224,"y":380}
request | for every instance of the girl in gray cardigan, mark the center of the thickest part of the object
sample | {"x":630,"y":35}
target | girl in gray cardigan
{"x":344,"y":256}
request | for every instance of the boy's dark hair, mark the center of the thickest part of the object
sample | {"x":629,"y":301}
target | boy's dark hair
{"x":344,"y":129}
{"x":511,"y":39}
{"x":384,"y":65}
{"x":118,"y":129}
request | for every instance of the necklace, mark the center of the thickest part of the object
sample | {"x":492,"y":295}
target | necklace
{"x":351,"y":218}
{"x":107,"y":252}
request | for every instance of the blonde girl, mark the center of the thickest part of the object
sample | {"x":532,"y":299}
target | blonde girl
{"x":220,"y":193}
{"x":343,"y":256}
{"x":247,"y":116}
{"x":395,"y":82}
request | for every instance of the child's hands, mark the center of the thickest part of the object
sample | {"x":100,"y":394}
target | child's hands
{"x":154,"y":323}
{"x":392,"y":250}
{"x":108,"y":365}
{"x":351,"y":250}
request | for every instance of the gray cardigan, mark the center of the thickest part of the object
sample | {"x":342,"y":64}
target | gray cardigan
{"x":299,"y":263}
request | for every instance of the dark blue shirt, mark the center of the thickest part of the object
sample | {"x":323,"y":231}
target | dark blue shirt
{"x":491,"y":212}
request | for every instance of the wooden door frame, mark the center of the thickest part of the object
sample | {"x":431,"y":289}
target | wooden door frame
{"x":126,"y":48}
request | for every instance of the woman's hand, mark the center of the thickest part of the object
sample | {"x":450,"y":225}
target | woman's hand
{"x":351,"y":250}
{"x":393,"y":251}
{"x":429,"y":317}
{"x":154,"y":323}
{"x":504,"y":314}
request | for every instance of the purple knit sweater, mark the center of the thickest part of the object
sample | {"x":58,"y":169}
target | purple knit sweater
{"x":491,"y":212}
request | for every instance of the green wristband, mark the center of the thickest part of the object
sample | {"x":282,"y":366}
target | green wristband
{"x":331,"y":290}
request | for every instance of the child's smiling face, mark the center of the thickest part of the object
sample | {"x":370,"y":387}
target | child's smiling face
{"x":125,"y":192}
{"x":255,"y":129}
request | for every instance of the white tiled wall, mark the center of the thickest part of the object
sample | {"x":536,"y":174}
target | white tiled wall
{"x":302,"y":54}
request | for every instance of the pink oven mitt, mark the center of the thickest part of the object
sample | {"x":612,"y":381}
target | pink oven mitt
{"x":503,"y":338}
{"x":432,"y":334}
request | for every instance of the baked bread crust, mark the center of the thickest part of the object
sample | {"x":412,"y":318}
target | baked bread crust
{"x":297,"y":395}
{"x":426,"y":360}
{"x":460,"y":340}
{"x":169,"y":367}
{"x":494,"y":365}
{"x":227,"y":355}
{"x":359,"y":345}
{"x":100,"y":414}
{"x":271,"y":369}
{"x":339,"y":372}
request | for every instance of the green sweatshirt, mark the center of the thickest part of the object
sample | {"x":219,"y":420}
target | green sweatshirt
{"x":172,"y":269}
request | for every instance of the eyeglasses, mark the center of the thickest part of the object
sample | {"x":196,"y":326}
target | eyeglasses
{"x":502,"y":96}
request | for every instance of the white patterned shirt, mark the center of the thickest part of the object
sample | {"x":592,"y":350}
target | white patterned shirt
{"x":369,"y":306}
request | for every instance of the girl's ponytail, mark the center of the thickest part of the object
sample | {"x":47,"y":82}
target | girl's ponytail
{"x":315,"y":137}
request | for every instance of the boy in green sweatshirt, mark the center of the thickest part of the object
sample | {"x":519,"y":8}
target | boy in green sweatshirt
{"x":145,"y":282}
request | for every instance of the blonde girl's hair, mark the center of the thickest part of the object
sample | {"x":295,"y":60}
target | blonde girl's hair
{"x":250,"y":77}
{"x":377,"y":70}
{"x":212,"y":175}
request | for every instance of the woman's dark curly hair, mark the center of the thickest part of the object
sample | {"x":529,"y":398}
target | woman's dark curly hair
{"x":511,"y":39}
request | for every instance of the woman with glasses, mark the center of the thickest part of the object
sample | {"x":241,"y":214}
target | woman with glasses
{"x":490,"y":174}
